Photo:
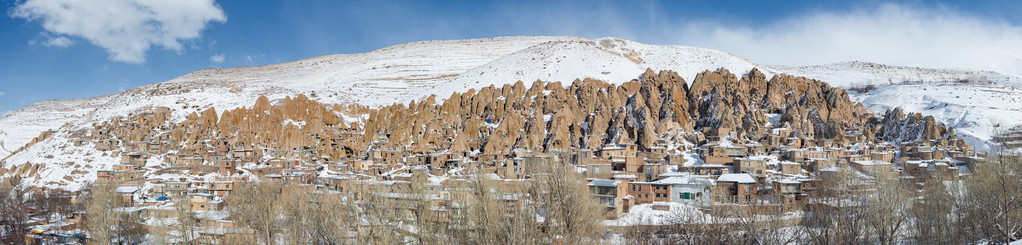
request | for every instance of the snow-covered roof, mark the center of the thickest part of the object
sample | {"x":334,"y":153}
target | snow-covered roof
{"x":605,"y":183}
{"x":737,"y":178}
{"x":682,"y":181}
{"x":788,"y":181}
{"x":871,"y":162}
{"x":127,"y":189}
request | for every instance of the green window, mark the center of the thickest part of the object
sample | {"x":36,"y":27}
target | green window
{"x":686,"y":195}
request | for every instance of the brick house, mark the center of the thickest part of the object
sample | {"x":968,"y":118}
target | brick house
{"x":736,"y":188}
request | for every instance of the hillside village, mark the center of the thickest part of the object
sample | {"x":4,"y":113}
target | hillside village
{"x":725,"y":140}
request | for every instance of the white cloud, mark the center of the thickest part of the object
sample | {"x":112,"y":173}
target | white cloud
{"x":2,"y":93}
{"x":58,"y":42}
{"x":217,"y":58}
{"x":126,"y":29}
{"x":889,"y":34}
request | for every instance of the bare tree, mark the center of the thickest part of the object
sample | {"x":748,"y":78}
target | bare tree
{"x":887,"y":209}
{"x":101,"y":216}
{"x":429,"y":214}
{"x":54,"y":203}
{"x":186,"y":221}
{"x":994,"y":201}
{"x":501,"y":213}
{"x":568,"y":210}
{"x":772,"y":220}
{"x":378,"y":214}
{"x":834,"y":213}
{"x":314,"y":218}
{"x":257,"y":206}
{"x":935,"y":219}
{"x":14,"y":210}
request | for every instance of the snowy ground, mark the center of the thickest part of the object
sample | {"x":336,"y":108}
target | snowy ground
{"x":643,"y":214}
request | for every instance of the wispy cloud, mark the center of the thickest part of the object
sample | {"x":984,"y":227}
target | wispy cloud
{"x":61,"y":42}
{"x":126,"y":29}
{"x":2,"y":93}
{"x":217,"y":59}
{"x":255,"y":57}
{"x":53,"y":42}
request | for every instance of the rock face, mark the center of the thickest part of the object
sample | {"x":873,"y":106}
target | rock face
{"x":541,"y":116}
{"x":589,"y":113}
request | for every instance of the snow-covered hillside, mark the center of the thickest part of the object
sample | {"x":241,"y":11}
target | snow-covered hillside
{"x":608,"y":59}
{"x":396,"y":74}
{"x":858,"y":73}
{"x":976,"y":111}
{"x":406,"y":72}
{"x":22,"y":126}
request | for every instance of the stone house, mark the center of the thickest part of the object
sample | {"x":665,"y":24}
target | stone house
{"x":789,"y":190}
{"x":611,"y":151}
{"x":227,"y":167}
{"x":790,"y":168}
{"x":747,"y":165}
{"x":390,"y":157}
{"x":814,"y":165}
{"x":626,"y":164}
{"x":175,"y":189}
{"x":611,"y":195}
{"x":872,"y":166}
{"x":337,"y":183}
{"x":203,"y":202}
{"x":599,"y":170}
{"x":721,"y":154}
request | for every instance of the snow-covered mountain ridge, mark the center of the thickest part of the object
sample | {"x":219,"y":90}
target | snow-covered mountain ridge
{"x":407,"y":72}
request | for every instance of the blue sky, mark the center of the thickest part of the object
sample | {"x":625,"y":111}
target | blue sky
{"x":64,"y":49}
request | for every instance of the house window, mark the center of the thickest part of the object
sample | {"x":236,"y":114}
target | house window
{"x":686,"y":196}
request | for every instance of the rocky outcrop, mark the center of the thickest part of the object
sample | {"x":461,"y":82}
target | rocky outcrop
{"x":899,"y":127}
{"x":549,"y":116}
{"x":588,"y":114}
